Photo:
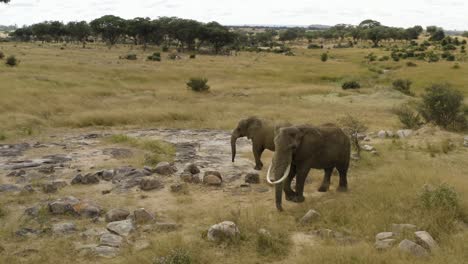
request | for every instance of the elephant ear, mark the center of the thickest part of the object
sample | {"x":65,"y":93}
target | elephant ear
{"x":253,"y":125}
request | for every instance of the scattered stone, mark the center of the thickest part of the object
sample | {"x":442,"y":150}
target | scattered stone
{"x":59,"y":184}
{"x":32,"y":211}
{"x":16,"y":173}
{"x":94,"y":232}
{"x":252,"y":178}
{"x":324,"y":233}
{"x":148,"y":184}
{"x":310,"y":216}
{"x":28,"y":188}
{"x":110,"y":240}
{"x":105,"y":251}
{"x":49,"y":188}
{"x":178,"y":187}
{"x":226,"y":230}
{"x":77,"y":179}
{"x":63,"y":228}
{"x":409,"y":247}
{"x":368,"y":148}
{"x":384,"y":244}
{"x":212,"y":178}
{"x":106,"y":175}
{"x":192,"y":169}
{"x":141,"y":216}
{"x":106,"y":191}
{"x":9,"y":188}
{"x":165,"y":168}
{"x":383,"y":235}
{"x":118,"y":153}
{"x":382,"y":134}
{"x":27,"y":232}
{"x":87,"y":209}
{"x":400,"y":228}
{"x":90,"y":179}
{"x":46,"y":169}
{"x":122,"y":228}
{"x":63,"y":205}
{"x":390,"y":133}
{"x":190,"y":178}
{"x":117,"y":214}
{"x":355,"y":156}
{"x":404,"y":133}
{"x":424,"y":239}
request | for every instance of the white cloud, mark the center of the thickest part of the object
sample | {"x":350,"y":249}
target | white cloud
{"x":449,"y":14}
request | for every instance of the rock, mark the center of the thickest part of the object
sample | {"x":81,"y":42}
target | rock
{"x":409,"y":247}
{"x":390,"y":133}
{"x":77,"y":179}
{"x":226,"y":230}
{"x":165,"y":168}
{"x":27,"y":232}
{"x":118,"y":153}
{"x":212,"y":178}
{"x":148,"y":184}
{"x":252,"y":178}
{"x":141,"y":216}
{"x":90,"y":179}
{"x":28,"y":189}
{"x":32,"y":211}
{"x":106,"y":191}
{"x":382,"y":134}
{"x":264,"y":232}
{"x":117,"y":215}
{"x":9,"y":188}
{"x":63,"y":205}
{"x":324,"y":233}
{"x":355,"y":156}
{"x":190,"y":178}
{"x":122,"y":228}
{"x":46,"y":169}
{"x":310,"y":216}
{"x":141,"y":245}
{"x":424,"y":239}
{"x":178,"y":187}
{"x":17,"y":173}
{"x":384,"y":244}
{"x":465,"y":141}
{"x":107,"y":175}
{"x":400,"y":228}
{"x":49,"y":188}
{"x":87,"y":209}
{"x":192,"y":169}
{"x":59,"y":184}
{"x":94,"y":232}
{"x":63,"y":228}
{"x":404,"y":133}
{"x":383,"y":235}
{"x":105,"y":251}
{"x":368,"y":148}
{"x":110,"y":240}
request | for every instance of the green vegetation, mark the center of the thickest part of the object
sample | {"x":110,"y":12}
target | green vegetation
{"x":351,"y":85}
{"x":408,"y":117}
{"x":324,"y":57}
{"x":198,"y":84}
{"x":403,"y":86}
{"x":11,"y":61}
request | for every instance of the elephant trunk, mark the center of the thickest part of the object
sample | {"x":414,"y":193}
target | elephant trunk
{"x":234,"y":138}
{"x":281,"y":166}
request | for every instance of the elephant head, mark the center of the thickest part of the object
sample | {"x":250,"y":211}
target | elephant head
{"x":246,"y":128}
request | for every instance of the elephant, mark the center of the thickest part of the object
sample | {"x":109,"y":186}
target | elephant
{"x":301,"y":148}
{"x":262,"y":134}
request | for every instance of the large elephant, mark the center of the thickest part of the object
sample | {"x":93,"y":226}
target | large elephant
{"x":301,"y":148}
{"x":262,"y":134}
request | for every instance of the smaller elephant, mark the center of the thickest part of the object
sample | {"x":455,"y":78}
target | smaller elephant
{"x":262,"y":134}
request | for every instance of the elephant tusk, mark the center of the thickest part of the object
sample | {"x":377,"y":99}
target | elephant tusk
{"x":286,"y":173}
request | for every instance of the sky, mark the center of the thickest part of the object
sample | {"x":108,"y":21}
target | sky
{"x":449,"y":14}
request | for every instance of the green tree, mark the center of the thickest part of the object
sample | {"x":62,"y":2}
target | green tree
{"x":369,"y":23}
{"x":109,"y":27}
{"x":79,"y":31}
{"x":413,"y":32}
{"x":142,"y":30}
{"x":217,"y":35}
{"x":376,"y":34}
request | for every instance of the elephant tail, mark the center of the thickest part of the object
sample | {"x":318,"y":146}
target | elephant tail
{"x":285,"y":175}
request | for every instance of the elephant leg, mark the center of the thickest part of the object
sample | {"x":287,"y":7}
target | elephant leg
{"x":301,"y":176}
{"x":326,"y":180}
{"x":290,"y":194}
{"x":343,"y":187}
{"x":257,"y":151}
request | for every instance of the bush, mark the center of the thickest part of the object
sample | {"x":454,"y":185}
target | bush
{"x":2,"y":55}
{"x":384,"y":58}
{"x":155,"y":57}
{"x":408,"y":117}
{"x":193,"y":56}
{"x":450,"y":57}
{"x":324,"y":57}
{"x":395,"y":56}
{"x":411,"y":64}
{"x":314,"y":46}
{"x":12,"y":61}
{"x":441,"y":197}
{"x":130,"y":56}
{"x":403,"y":86}
{"x":165,"y":48}
{"x":178,"y":256}
{"x":456,"y":66}
{"x":432,"y":57}
{"x":198,"y":84}
{"x":353,"y":127}
{"x":173,"y":56}
{"x":442,"y":105}
{"x":351,"y":85}
{"x":371,"y":57}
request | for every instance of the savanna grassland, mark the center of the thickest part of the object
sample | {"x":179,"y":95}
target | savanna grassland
{"x":75,"y":90}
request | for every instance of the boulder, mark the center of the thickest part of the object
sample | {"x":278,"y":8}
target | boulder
{"x":90,"y":179}
{"x":121,"y":228}
{"x":310,"y":216}
{"x":105,"y":251}
{"x":107,"y":175}
{"x":63,"y":205}
{"x":32,"y":211}
{"x":382,"y":134}
{"x":94,"y":232}
{"x":110,"y":240}
{"x":424,"y":239}
{"x":212,"y":178}
{"x":9,"y":188}
{"x":226,"y":230}
{"x":46,"y":169}
{"x":192,"y":169}
{"x":165,"y":168}
{"x":63,"y":228}
{"x":87,"y":209}
{"x":252,"y":178}
{"x":28,"y":188}
{"x":404,"y":133}
{"x":77,"y":179}
{"x":141,"y":216}
{"x":16,"y":173}
{"x":178,"y":187}
{"x":60,"y":184}
{"x":368,"y":148}
{"x":383,"y":235}
{"x":409,"y":247}
{"x":148,"y":184}
{"x":384,"y":244}
{"x":190,"y":178}
{"x":49,"y":188}
{"x":117,"y":215}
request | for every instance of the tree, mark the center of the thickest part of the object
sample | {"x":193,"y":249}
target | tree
{"x":23,"y":34}
{"x":369,"y":23}
{"x":218,"y":35}
{"x":110,"y":27}
{"x":41,"y":31}
{"x":353,"y":127}
{"x":141,"y":29}
{"x":187,"y":31}
{"x":79,"y":31}
{"x":376,"y":34}
{"x":413,"y":32}
{"x":291,"y":34}
{"x":437,"y":35}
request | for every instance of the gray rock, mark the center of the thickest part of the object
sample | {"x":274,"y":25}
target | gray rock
{"x":90,"y":179}
{"x":122,"y":228}
{"x":141,"y":216}
{"x":165,"y":168}
{"x":46,"y":169}
{"x":148,"y":184}
{"x":409,"y":247}
{"x":32,"y":211}
{"x":390,"y":133}
{"x":63,"y":205}
{"x":368,"y":148}
{"x":49,"y":188}
{"x":77,"y":179}
{"x":424,"y":239}
{"x":17,"y":173}
{"x":226,"y":230}
{"x":28,"y":188}
{"x":141,"y":245}
{"x":190,"y":178}
{"x":310,"y":216}
{"x":213,"y":178}
{"x":178,"y":187}
{"x":385,"y":244}
{"x":465,"y":141}
{"x":110,"y":240}
{"x":192,"y":169}
{"x":382,"y":134}
{"x":106,"y":251}
{"x":94,"y":232}
{"x":252,"y":178}
{"x":404,"y":133}
{"x":400,"y":228}
{"x":88,"y":209}
{"x":27,"y":232}
{"x":383,"y":235}
{"x":60,"y":184}
{"x":118,"y":153}
{"x":117,"y":215}
{"x":107,"y":175}
{"x":63,"y":228}
{"x":9,"y":188}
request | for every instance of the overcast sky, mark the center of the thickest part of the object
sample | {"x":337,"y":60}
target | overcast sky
{"x":450,"y":14}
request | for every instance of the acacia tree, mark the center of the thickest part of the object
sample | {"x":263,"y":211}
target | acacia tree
{"x":110,"y":27}
{"x":217,"y":35}
{"x":4,"y":1}
{"x":79,"y":31}
{"x":141,"y":30}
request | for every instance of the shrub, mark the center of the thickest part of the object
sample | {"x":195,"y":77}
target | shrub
{"x":324,"y":57}
{"x":177,"y":256}
{"x":432,"y":56}
{"x":403,"y":85}
{"x":441,"y":197}
{"x":11,"y":61}
{"x":289,"y":53}
{"x":395,"y":56}
{"x":173,"y":56}
{"x":3,"y":213}
{"x":165,"y":48}
{"x":2,"y":136}
{"x":130,"y":56}
{"x":193,"y":56}
{"x":198,"y":84}
{"x":456,"y":66}
{"x":353,"y":127}
{"x":314,"y":46}
{"x":2,"y":55}
{"x":450,"y":57}
{"x":411,"y":64}
{"x":351,"y":85}
{"x":371,"y":57}
{"x":408,"y":117}
{"x":442,"y":105}
{"x":384,"y":58}
{"x":155,"y":57}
